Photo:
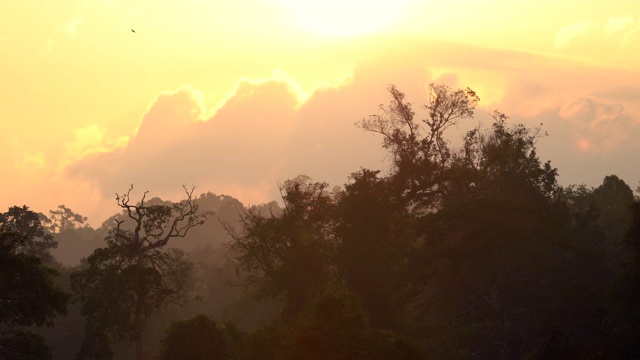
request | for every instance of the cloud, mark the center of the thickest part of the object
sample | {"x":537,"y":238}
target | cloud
{"x":265,"y":131}
{"x":569,"y":33}
{"x":175,"y":144}
{"x":90,"y":140}
{"x":268,"y":129}
{"x":612,"y":38}
{"x":31,"y":166}
{"x":598,"y":126}
{"x":170,"y":117}
{"x":615,"y":25}
{"x":246,"y":86}
{"x":622,"y":93}
{"x":86,"y":139}
{"x":528,"y":97}
{"x":631,"y":37}
{"x":580,"y":112}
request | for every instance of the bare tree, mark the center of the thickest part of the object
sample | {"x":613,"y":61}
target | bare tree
{"x":136,"y":274}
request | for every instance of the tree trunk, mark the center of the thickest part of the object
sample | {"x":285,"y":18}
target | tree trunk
{"x":139,"y":307}
{"x":139,"y":349}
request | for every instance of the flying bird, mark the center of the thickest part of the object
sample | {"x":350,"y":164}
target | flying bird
{"x":133,"y":31}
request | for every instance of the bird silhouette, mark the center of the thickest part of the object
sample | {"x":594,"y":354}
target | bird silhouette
{"x":133,"y":31}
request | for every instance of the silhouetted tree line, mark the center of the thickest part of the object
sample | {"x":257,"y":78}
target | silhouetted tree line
{"x":455,"y":252}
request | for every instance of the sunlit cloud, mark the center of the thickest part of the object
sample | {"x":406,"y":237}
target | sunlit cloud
{"x":170,"y":114}
{"x":31,"y":166}
{"x":618,"y":24}
{"x":91,"y":139}
{"x":569,"y":33}
{"x":174,"y":144}
{"x":597,"y":125}
{"x":266,"y":130}
{"x":86,"y":138}
{"x":612,"y":38}
{"x":245,"y":86}
{"x":529,"y":98}
{"x":631,"y":37}
{"x":236,"y":132}
{"x":270,"y":128}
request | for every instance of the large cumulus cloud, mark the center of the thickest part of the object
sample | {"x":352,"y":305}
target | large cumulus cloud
{"x":260,"y":135}
{"x":267,"y":130}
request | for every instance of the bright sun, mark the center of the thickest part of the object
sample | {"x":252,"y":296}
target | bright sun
{"x":345,"y":17}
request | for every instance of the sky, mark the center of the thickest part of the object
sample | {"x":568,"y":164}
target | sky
{"x":234,"y":97}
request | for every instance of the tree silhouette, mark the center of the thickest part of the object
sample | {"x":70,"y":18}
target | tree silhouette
{"x":625,"y":318}
{"x":200,"y":338}
{"x":288,"y":256}
{"x":420,"y":155}
{"x":374,"y":243}
{"x":63,"y":219}
{"x":136,"y":274}
{"x":28,"y":293}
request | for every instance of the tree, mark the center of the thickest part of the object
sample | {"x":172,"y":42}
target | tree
{"x":335,"y":326}
{"x":494,"y":246}
{"x":625,"y":315}
{"x":420,"y":156}
{"x":613,"y":199}
{"x":28,"y":293}
{"x":374,"y":241}
{"x":26,"y":234}
{"x":200,"y":338}
{"x":63,"y":219}
{"x":601,"y":217}
{"x":288,"y":256}
{"x":126,"y":282}
{"x":491,"y":246}
{"x":500,"y":158}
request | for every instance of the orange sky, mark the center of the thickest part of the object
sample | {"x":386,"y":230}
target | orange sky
{"x":233,"y":96}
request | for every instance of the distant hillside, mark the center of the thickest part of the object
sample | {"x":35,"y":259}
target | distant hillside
{"x":75,"y":244}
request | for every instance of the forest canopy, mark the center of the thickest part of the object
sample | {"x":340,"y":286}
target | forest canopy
{"x":472,"y":251}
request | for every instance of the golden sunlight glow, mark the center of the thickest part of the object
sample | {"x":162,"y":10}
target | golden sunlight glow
{"x":263,"y":90}
{"x":345,"y":17}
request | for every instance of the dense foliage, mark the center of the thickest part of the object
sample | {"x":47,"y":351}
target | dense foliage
{"x":464,"y":252}
{"x":201,"y":338}
{"x":29,"y":295}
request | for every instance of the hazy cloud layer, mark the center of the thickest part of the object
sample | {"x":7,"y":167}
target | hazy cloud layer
{"x":259,"y":136}
{"x":612,"y":38}
{"x":263,"y":133}
{"x":598,"y":126}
